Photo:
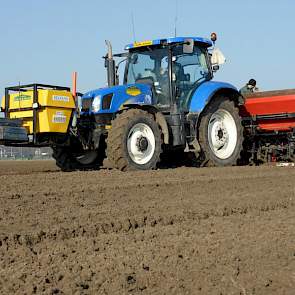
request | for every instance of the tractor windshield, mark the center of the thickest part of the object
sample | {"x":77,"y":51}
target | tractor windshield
{"x":150,"y":67}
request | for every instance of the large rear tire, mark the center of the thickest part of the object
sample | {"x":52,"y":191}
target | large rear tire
{"x":221,"y":133}
{"x":134,"y":141}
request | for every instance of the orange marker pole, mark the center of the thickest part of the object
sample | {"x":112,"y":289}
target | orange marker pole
{"x":74,"y":93}
{"x":74,"y":84}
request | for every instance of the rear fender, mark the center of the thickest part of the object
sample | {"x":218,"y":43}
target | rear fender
{"x":206,"y":93}
{"x":210,"y":90}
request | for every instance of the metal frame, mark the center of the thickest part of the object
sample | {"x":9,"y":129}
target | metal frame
{"x":269,"y":117}
{"x":30,"y":87}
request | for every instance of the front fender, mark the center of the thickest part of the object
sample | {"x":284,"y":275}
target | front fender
{"x":205,"y":92}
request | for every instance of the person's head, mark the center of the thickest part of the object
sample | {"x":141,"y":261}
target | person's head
{"x":251,"y":83}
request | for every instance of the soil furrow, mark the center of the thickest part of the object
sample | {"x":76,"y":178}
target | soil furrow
{"x":172,"y":231}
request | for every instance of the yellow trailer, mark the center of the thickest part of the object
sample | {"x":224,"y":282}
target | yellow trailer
{"x":39,"y":109}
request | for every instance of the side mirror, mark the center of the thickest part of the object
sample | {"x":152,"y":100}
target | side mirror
{"x":188,"y":46}
{"x":215,"y":68}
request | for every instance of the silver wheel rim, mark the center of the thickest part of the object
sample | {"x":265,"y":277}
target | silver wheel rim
{"x":141,"y":143}
{"x":222,"y":134}
{"x":88,"y":157}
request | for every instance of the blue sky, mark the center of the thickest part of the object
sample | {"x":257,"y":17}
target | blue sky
{"x":45,"y":40}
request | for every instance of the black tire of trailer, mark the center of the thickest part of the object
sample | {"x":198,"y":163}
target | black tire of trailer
{"x":117,"y":149}
{"x":209,"y":157}
{"x":68,"y":161}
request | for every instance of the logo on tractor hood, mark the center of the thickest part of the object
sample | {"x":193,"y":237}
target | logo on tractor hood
{"x":133,"y":91}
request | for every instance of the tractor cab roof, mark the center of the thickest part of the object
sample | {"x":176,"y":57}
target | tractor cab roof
{"x":204,"y":41}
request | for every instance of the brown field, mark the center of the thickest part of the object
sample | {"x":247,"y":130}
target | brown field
{"x":175,"y":231}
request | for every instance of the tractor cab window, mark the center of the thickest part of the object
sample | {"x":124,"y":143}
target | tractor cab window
{"x":188,"y":71}
{"x":150,"y":67}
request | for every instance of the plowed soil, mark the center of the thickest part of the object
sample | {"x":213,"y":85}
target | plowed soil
{"x":174,"y":231}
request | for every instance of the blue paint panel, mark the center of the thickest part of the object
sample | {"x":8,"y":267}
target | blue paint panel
{"x":205,"y":41}
{"x":204,"y":92}
{"x":121,"y":97}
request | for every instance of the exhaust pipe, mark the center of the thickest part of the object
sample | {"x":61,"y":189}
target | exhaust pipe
{"x":110,"y":65}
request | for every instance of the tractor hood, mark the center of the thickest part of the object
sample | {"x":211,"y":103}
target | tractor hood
{"x":113,"y":99}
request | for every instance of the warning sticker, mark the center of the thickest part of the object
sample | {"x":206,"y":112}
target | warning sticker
{"x":143,"y":43}
{"x":22,"y":97}
{"x":59,"y":118}
{"x":60,"y":98}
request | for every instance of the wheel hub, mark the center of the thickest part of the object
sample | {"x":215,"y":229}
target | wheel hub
{"x":221,"y":135}
{"x":142,"y":143}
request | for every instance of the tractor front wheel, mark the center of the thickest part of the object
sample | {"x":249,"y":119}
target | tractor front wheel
{"x":134,"y":141}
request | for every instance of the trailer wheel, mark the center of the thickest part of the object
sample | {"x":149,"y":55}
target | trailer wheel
{"x":221,"y":134}
{"x":134,"y":141}
{"x":69,"y":160}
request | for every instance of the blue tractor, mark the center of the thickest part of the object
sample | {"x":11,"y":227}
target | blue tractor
{"x":168,"y":102}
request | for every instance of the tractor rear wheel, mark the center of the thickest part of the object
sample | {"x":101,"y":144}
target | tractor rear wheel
{"x":221,"y":134}
{"x":134,"y":141}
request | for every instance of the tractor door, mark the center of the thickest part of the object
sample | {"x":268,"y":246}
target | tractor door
{"x":189,"y":71}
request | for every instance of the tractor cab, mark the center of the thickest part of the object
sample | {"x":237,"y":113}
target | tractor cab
{"x":172,"y":67}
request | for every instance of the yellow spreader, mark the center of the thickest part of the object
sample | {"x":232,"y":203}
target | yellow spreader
{"x":41,"y":109}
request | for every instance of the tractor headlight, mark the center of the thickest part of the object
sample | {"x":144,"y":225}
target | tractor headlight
{"x":96,"y":104}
